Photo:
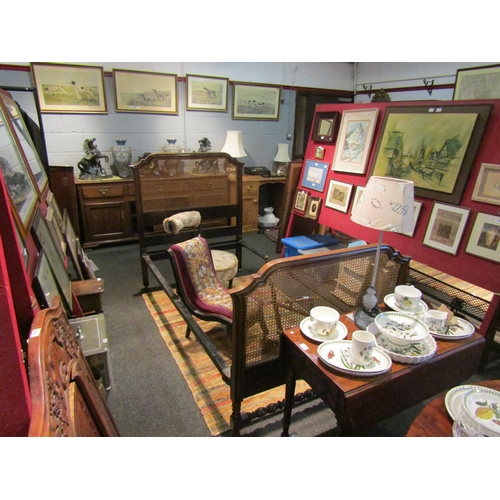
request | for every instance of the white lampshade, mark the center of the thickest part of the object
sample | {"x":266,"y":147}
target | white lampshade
{"x":386,"y":204}
{"x":234,"y":144}
{"x":282,"y":155}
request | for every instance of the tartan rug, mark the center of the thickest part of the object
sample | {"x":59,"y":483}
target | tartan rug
{"x":209,"y":391}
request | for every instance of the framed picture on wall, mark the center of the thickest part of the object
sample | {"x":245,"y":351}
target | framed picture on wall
{"x":487,"y":188}
{"x":313,"y":207}
{"x":481,"y":82}
{"x":484,"y":239}
{"x":206,"y":93}
{"x":357,"y":195}
{"x":325,"y":126}
{"x":300,"y":202}
{"x":417,"y":206}
{"x":315,"y":173}
{"x":69,"y":88}
{"x":145,"y":92}
{"x":446,"y":227}
{"x":339,"y":194}
{"x":354,"y":140}
{"x":256,"y":102}
{"x":434,"y":147}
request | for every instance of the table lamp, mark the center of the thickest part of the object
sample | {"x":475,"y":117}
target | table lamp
{"x":234,"y":144}
{"x":386,"y":204}
{"x":282,"y":158}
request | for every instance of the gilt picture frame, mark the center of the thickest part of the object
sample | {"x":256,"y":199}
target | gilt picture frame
{"x":69,"y":88}
{"x":256,"y":101}
{"x":300,"y":202}
{"x":206,"y":93}
{"x":433,"y":146}
{"x":313,"y":207}
{"x":484,"y":239}
{"x":339,"y":195}
{"x":487,"y":187}
{"x":354,"y":140}
{"x":145,"y":92}
{"x":446,"y":227}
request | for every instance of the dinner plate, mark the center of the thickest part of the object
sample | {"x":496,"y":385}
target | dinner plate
{"x":335,"y":354}
{"x":412,"y":354}
{"x":339,"y":333}
{"x":463,"y":330}
{"x":483,"y":405}
{"x":390,"y":301}
{"x":454,"y":397}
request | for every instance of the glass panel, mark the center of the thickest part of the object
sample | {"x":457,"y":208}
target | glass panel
{"x":18,"y":181}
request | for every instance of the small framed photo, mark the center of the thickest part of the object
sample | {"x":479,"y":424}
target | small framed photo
{"x":339,"y":194}
{"x":417,"y":206}
{"x":325,"y":126}
{"x":313,"y":206}
{"x":145,"y":92}
{"x":357,"y":195}
{"x":315,"y":175}
{"x":300,"y":203}
{"x":319,"y":153}
{"x":69,"y":88}
{"x":206,"y":93}
{"x":256,"y":101}
{"x":484,"y":239}
{"x":487,"y":183}
{"x":446,"y":227}
{"x":354,"y":140}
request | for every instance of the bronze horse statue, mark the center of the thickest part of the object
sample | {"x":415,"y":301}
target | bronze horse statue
{"x":90,"y":164}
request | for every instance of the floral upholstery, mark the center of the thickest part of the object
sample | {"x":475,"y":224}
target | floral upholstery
{"x":202,"y":287}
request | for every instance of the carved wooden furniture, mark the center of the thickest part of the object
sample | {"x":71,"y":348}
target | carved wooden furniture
{"x":210,"y":183}
{"x":65,"y":397}
{"x":279,"y":297}
{"x":360,"y":402}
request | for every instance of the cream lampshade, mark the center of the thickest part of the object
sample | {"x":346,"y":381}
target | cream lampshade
{"x":386,"y":204}
{"x":234,"y":144}
{"x":282,"y":158}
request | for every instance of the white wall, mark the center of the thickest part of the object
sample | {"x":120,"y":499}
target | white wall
{"x":65,"y":133}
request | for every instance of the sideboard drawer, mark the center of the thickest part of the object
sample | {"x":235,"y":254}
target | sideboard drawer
{"x":250,"y":188}
{"x":102,"y":191}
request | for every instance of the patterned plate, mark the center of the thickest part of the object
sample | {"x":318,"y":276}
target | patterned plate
{"x":335,"y":354}
{"x":463,"y":330}
{"x":390,"y":301}
{"x":483,"y":405}
{"x":339,"y":333}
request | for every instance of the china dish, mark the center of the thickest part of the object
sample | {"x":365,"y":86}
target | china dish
{"x":401,"y":328}
{"x":463,"y":330}
{"x":454,"y":399}
{"x":412,"y":354}
{"x":335,"y":354}
{"x":339,"y":333}
{"x":390,"y":301}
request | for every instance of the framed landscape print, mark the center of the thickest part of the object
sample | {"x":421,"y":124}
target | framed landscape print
{"x":256,"y":101}
{"x":300,"y":202}
{"x":339,"y":194}
{"x":446,"y":227}
{"x":434,"y":147}
{"x":354,"y":140}
{"x":481,"y":82}
{"x":487,"y":186}
{"x":145,"y":92}
{"x":206,"y":93}
{"x":315,"y":174}
{"x":484,"y":240}
{"x":69,"y":88}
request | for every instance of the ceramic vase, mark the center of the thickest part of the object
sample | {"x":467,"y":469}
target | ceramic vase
{"x":122,"y":158}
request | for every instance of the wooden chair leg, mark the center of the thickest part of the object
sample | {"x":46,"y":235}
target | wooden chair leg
{"x":188,"y":332}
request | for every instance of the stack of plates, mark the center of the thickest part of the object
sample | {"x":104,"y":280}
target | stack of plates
{"x":463,"y":330}
{"x":335,"y":354}
{"x":479,"y":404}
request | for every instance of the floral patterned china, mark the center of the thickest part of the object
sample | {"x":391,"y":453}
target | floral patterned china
{"x":335,"y":354}
{"x":339,"y":333}
{"x":463,"y":330}
{"x":401,"y":328}
{"x":411,"y":354}
{"x":390,"y":301}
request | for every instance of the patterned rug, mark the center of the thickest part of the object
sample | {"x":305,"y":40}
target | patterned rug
{"x":209,"y":391}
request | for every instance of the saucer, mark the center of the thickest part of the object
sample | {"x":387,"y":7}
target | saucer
{"x":390,"y":301}
{"x":463,"y":330}
{"x":339,"y":333}
{"x":335,"y":354}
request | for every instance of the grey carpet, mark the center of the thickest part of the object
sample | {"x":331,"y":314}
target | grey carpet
{"x":149,"y":396}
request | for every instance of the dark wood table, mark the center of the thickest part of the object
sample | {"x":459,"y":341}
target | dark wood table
{"x":435,"y":421}
{"x":360,"y":402}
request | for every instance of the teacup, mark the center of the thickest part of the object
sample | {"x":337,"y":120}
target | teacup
{"x":407,"y":297}
{"x":323,"y":320}
{"x":436,"y":320}
{"x":362,"y":348}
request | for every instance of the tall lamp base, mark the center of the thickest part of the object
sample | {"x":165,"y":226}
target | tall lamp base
{"x":364,"y":318}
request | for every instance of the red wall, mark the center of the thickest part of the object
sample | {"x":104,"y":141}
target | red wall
{"x":476,"y":270}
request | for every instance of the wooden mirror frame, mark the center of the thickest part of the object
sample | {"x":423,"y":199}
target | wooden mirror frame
{"x":321,"y":118}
